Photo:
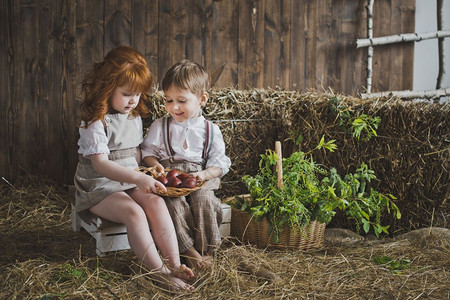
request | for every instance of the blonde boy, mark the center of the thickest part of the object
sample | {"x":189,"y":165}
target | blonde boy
{"x":186,"y":141}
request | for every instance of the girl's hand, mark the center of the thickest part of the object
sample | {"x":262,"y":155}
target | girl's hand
{"x":148,"y":184}
{"x":114,"y":171}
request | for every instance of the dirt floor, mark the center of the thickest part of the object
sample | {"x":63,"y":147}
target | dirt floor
{"x":41,"y":258}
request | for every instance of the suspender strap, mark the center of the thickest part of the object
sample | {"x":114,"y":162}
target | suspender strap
{"x":208,"y":139}
{"x":165,"y":131}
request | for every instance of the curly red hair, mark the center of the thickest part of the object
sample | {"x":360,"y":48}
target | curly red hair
{"x":122,"y":66}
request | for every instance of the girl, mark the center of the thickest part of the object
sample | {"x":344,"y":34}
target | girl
{"x":106,"y":181}
{"x":187,"y":142}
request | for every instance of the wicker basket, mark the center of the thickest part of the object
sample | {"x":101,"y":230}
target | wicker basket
{"x":259,"y":233}
{"x":246,"y":229}
{"x":171,"y":191}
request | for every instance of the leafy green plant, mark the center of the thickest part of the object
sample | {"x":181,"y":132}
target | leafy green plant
{"x":69,"y":273}
{"x":360,"y":125}
{"x":341,"y":111}
{"x":367,"y":124}
{"x":362,"y":205}
{"x":310,"y":192}
{"x":394,"y":265}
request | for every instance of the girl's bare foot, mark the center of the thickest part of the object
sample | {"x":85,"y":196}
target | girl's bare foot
{"x":170,"y":282}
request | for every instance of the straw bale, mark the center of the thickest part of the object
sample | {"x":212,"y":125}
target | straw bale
{"x":410,"y":155}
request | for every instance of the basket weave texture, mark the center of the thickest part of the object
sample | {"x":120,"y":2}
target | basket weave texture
{"x":259,"y":233}
{"x":171,"y":191}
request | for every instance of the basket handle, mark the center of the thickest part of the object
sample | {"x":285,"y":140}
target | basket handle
{"x":279,"y":164}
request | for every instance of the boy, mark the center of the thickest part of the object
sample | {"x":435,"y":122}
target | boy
{"x":187,"y":142}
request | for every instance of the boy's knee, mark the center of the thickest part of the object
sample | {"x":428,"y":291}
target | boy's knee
{"x":204,"y":201}
{"x":177,"y":203}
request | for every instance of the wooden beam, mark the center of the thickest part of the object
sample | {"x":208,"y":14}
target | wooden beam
{"x":398,"y":38}
{"x":439,"y":16}
{"x":428,"y":94}
{"x":369,"y":8}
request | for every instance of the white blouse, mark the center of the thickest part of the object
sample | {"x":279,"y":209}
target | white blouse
{"x":187,"y":140}
{"x":94,"y":139}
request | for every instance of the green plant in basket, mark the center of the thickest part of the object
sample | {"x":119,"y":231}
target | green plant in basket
{"x":310,"y":192}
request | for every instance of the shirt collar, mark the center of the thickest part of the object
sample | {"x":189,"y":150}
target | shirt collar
{"x":190,"y":122}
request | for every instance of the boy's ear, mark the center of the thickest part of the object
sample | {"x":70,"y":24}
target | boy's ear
{"x":204,"y":99}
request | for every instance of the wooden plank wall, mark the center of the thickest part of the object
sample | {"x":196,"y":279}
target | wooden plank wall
{"x":46,"y":46}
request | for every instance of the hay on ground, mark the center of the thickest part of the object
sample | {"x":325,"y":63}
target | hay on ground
{"x":41,"y":258}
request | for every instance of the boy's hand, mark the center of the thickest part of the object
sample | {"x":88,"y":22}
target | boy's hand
{"x":153,"y":162}
{"x":200,"y":175}
{"x":210,"y":173}
{"x":159,"y":169}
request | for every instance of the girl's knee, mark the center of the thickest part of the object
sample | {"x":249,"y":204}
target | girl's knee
{"x":154,"y":204}
{"x":156,"y":201}
{"x":133,"y":213}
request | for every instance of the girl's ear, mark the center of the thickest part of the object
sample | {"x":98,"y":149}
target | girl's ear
{"x":204,"y":99}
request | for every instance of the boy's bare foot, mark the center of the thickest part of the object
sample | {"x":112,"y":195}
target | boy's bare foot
{"x":170,"y":282}
{"x":197,"y":261}
{"x":182,"y":272}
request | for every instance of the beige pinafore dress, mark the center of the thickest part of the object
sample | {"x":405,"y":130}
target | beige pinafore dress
{"x":124,"y":137}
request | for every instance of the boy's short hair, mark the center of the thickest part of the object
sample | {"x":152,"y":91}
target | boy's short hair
{"x":186,"y":75}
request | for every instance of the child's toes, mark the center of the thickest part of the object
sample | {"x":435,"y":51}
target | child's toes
{"x":183,"y":272}
{"x":186,"y":270}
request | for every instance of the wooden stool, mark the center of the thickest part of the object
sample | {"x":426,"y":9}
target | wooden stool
{"x":225,"y":227}
{"x":110,"y":236}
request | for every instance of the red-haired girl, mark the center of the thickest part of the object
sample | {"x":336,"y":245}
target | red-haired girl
{"x":115,"y":96}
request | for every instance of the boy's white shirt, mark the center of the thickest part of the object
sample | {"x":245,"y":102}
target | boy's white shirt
{"x":191,"y":133}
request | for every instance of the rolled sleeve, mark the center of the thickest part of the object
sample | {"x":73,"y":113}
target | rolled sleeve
{"x":93,"y":140}
{"x":216,"y":155}
{"x":151,"y":146}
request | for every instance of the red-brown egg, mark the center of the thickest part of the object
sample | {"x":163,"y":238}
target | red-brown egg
{"x":163,"y":180}
{"x":174,"y":182}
